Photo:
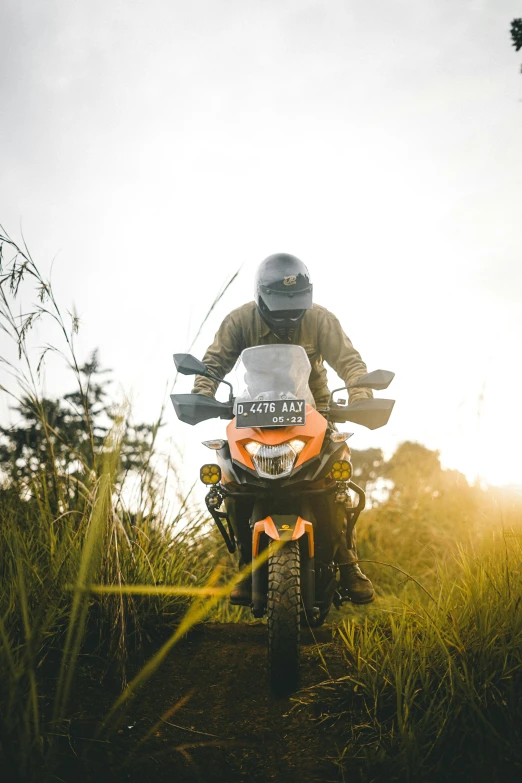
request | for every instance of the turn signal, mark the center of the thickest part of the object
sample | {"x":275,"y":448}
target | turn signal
{"x":210,"y":474}
{"x":341,"y":470}
{"x":340,"y":437}
{"x":216,"y":444}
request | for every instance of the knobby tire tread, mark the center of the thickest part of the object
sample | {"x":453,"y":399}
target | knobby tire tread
{"x":284,"y":612}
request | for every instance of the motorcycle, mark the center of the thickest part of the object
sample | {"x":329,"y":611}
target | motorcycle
{"x":283,"y":463}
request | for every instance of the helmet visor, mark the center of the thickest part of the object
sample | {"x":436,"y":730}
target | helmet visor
{"x":286,"y":302}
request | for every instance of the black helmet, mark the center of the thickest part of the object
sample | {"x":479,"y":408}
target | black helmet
{"x":283,"y":292}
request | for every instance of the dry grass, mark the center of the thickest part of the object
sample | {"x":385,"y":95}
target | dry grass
{"x":433,"y":684}
{"x":79,"y":569}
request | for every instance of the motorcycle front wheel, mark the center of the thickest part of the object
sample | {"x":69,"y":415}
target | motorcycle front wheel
{"x":284,"y":610}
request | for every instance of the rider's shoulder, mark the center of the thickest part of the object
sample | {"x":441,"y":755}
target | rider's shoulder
{"x":244,"y":310}
{"x":321,"y":313}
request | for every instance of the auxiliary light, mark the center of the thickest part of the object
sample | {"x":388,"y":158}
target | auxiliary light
{"x":210,"y":474}
{"x":341,"y":470}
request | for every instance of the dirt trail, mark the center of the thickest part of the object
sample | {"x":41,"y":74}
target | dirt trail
{"x":229,"y":728}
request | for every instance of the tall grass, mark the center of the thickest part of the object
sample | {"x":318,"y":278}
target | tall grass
{"x":147,"y":557}
{"x":433,"y":683}
{"x":48,"y":613}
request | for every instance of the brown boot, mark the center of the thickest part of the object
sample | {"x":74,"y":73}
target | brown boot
{"x":241,"y":594}
{"x":355,"y":585}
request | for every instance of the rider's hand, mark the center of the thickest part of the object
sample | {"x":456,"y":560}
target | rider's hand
{"x":359,"y":397}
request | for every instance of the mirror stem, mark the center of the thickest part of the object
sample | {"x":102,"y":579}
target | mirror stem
{"x":341,"y":388}
{"x":221,"y":380}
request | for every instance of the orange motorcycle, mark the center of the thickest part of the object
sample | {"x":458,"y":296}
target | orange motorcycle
{"x":284,"y":474}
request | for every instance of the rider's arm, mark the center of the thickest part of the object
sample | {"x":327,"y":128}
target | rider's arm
{"x":337,"y":349}
{"x":221,"y":355}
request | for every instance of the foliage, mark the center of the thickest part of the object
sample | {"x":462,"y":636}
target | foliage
{"x":411,"y":472}
{"x":367,"y":466}
{"x":45,"y":624}
{"x":55,"y":447}
{"x":433,"y":691}
{"x":433,"y":685}
{"x":67,"y":436}
{"x":65,"y":526}
{"x":516,"y":34}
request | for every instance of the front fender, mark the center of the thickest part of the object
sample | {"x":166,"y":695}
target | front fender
{"x":283,"y":527}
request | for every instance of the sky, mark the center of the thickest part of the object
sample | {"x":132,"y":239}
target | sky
{"x":150,"y":150}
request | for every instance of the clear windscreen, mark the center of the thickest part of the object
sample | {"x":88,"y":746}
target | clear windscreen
{"x":274,"y":372}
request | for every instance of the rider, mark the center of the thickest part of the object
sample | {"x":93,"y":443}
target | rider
{"x":283,"y":312}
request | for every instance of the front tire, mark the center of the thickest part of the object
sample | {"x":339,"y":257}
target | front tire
{"x":284,"y":609}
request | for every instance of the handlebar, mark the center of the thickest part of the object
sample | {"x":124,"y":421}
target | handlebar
{"x":335,"y":413}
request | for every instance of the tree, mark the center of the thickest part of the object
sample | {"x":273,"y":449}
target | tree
{"x":56,"y":447}
{"x":516,"y":34}
{"x":368,"y":466}
{"x":414,"y":468}
{"x":57,"y":440}
{"x":416,"y":471}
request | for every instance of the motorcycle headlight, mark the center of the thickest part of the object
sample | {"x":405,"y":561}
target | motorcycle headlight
{"x":274,"y":461}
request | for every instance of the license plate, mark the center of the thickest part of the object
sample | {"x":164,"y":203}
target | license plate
{"x":271,"y":413}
